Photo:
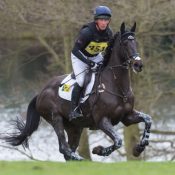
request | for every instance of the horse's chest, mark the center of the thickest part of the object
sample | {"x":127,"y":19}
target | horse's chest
{"x":123,"y":109}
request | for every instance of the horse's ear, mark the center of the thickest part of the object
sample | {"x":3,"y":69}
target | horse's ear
{"x":133,"y":27}
{"x":122,"y":28}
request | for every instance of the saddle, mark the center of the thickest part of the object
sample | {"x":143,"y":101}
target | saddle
{"x":67,"y":84}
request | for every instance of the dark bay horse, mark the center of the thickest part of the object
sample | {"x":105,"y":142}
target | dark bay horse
{"x":112,"y":102}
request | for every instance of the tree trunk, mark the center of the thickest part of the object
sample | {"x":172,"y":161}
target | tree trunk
{"x":131,"y":138}
{"x":67,"y":53}
{"x":84,"y":145}
{"x":66,"y":35}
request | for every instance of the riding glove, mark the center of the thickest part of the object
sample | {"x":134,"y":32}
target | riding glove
{"x":93,"y":65}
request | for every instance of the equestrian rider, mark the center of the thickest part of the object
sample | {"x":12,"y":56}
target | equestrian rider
{"x":92,"y":40}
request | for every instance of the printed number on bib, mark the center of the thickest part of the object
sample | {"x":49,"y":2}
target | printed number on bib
{"x":95,"y":48}
{"x":66,"y":88}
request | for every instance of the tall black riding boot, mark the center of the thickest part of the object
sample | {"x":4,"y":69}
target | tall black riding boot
{"x":75,"y":112}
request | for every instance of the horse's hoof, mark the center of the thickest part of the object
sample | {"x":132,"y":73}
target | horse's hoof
{"x":98,"y":150}
{"x":73,"y":156}
{"x":137,"y":150}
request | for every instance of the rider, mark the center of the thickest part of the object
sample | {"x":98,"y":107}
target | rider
{"x":92,"y":40}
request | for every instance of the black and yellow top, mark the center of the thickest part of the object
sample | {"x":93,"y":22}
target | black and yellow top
{"x":91,"y":41}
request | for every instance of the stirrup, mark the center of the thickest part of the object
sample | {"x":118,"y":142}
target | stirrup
{"x":75,"y":114}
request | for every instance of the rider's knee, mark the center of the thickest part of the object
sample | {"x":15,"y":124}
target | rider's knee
{"x":80,"y":81}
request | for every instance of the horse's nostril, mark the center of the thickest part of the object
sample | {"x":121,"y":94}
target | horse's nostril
{"x":136,"y":65}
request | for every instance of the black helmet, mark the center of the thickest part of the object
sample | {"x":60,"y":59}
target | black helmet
{"x":102,"y":12}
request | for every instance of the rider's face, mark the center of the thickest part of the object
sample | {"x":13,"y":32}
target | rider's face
{"x":102,"y":23}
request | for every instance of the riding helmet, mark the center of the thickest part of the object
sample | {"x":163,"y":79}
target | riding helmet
{"x":102,"y":12}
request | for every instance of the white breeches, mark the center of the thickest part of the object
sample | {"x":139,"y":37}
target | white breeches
{"x":80,"y":68}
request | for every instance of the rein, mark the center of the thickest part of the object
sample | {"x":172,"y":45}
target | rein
{"x":125,"y":65}
{"x":124,"y":96}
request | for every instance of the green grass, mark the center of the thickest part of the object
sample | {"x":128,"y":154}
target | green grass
{"x":87,"y":168}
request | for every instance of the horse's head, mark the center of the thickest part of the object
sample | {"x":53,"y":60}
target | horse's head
{"x":129,"y":49}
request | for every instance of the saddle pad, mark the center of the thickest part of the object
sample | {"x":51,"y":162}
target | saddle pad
{"x":65,"y":91}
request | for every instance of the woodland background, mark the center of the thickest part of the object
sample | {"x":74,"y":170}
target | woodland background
{"x":36,"y":38}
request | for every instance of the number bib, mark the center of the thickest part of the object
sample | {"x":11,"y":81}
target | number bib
{"x":94,"y":48}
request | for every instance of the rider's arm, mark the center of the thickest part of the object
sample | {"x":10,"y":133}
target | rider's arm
{"x":81,"y":42}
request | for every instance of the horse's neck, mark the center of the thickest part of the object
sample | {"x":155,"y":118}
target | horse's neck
{"x":116,"y":55}
{"x":122,"y":80}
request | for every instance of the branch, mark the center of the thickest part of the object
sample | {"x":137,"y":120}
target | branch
{"x":163,"y":141}
{"x":148,"y":33}
{"x":20,"y":151}
{"x":154,"y":131}
{"x":51,"y":50}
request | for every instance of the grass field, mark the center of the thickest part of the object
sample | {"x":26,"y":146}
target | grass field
{"x":87,"y":168}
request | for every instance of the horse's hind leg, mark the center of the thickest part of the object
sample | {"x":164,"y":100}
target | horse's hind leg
{"x":64,"y":147}
{"x":137,"y":117}
{"x":106,"y":126}
{"x":74,"y":134}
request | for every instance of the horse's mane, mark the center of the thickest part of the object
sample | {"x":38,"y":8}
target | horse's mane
{"x":108,"y":51}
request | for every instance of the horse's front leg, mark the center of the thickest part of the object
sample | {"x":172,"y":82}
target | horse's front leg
{"x":64,"y":147}
{"x":137,"y":117}
{"x":106,"y":126}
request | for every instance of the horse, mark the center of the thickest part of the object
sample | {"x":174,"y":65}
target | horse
{"x":111,"y":102}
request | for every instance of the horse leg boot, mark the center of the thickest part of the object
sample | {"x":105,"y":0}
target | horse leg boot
{"x":106,"y":126}
{"x":75,"y":111}
{"x":64,"y":147}
{"x":145,"y":138}
{"x":137,"y":117}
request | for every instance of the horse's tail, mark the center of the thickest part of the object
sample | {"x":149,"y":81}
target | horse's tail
{"x":25,"y":129}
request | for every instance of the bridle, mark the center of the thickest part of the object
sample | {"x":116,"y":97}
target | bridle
{"x":125,"y":65}
{"x":128,"y":59}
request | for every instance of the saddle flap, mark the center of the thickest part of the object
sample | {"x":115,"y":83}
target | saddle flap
{"x":65,"y":91}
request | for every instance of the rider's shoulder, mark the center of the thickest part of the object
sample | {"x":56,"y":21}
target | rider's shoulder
{"x":87,"y":29}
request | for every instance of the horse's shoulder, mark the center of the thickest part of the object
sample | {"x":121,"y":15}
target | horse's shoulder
{"x":54,"y":82}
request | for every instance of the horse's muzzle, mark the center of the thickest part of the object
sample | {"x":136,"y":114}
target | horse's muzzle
{"x":137,"y":65}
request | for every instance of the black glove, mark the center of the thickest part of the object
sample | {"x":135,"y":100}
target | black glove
{"x":93,"y":65}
